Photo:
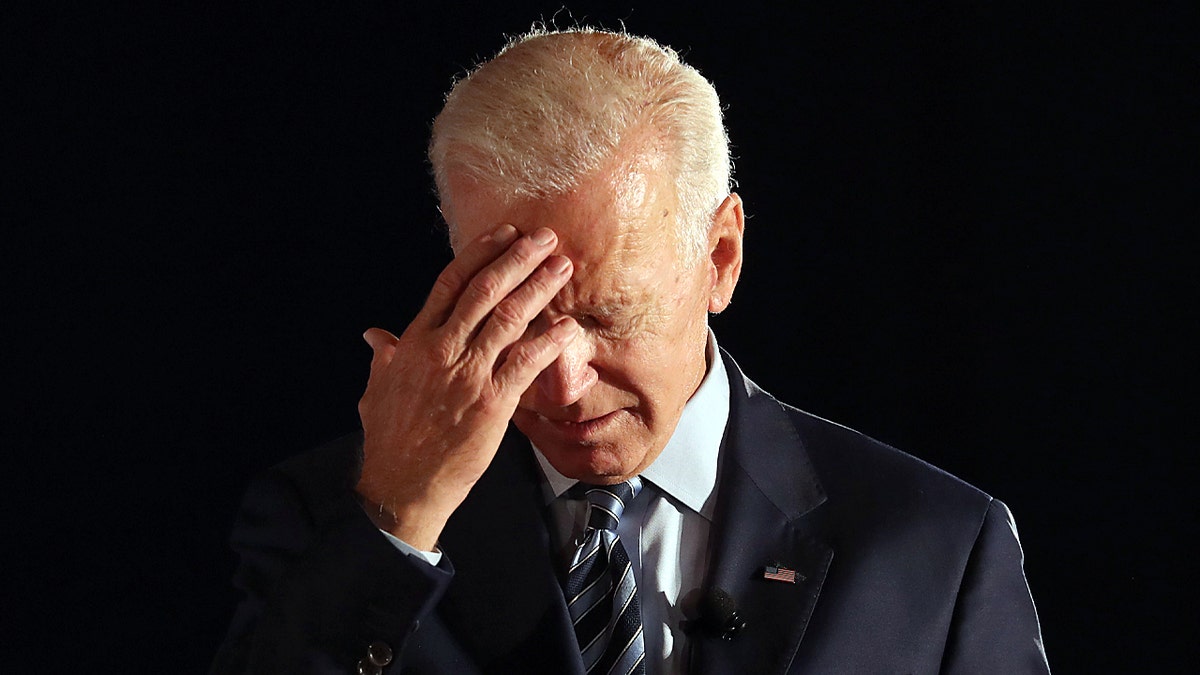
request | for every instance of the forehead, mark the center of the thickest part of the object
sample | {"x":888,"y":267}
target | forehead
{"x":619,"y":228}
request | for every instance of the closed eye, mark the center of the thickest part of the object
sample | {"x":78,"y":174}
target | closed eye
{"x":594,"y":322}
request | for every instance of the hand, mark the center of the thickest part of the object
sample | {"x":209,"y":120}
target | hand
{"x":440,"y":396}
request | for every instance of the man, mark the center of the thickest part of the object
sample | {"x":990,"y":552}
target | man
{"x":584,"y":178}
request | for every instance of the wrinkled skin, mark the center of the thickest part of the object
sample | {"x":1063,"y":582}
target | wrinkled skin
{"x":591,"y":343}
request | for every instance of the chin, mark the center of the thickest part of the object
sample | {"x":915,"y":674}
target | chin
{"x":590,"y":465}
{"x":592,"y":460}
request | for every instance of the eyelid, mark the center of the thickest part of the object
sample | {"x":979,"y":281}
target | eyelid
{"x":584,"y":319}
{"x":604,"y":319}
{"x":592,"y":320}
{"x":606,"y":314}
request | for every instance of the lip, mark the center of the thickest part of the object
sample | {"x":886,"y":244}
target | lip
{"x":583,"y":430}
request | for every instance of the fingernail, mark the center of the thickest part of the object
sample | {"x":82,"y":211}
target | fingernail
{"x":543,"y":236}
{"x":558,"y":264}
{"x":504,"y":234}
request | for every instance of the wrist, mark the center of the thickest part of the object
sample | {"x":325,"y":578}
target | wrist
{"x":417,"y":527}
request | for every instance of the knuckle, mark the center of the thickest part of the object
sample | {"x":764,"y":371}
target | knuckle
{"x":448,"y":280}
{"x":509,"y":314}
{"x":436,"y":349}
{"x":538,"y":283}
{"x":485,"y":287}
{"x":523,"y":252}
{"x":525,"y":355}
{"x":442,"y":352}
{"x":545,"y":284}
{"x":486,"y":401}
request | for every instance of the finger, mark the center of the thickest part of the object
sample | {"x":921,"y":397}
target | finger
{"x":455,"y":277}
{"x":529,"y":357}
{"x":494,"y":282}
{"x":383,"y":345}
{"x":510,"y":319}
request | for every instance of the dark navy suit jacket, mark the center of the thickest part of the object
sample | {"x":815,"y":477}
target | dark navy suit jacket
{"x":902,"y":567}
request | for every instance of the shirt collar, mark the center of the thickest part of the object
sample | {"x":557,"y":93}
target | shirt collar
{"x":687,"y":468}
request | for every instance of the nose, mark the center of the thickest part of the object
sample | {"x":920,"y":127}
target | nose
{"x":570,"y":376}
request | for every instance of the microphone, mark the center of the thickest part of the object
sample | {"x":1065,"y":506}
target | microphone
{"x":719,"y":616}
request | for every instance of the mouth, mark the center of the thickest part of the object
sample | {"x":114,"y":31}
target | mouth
{"x":581,"y":430}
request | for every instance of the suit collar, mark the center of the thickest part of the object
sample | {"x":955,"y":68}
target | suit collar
{"x":785,"y":475}
{"x":768,"y":512}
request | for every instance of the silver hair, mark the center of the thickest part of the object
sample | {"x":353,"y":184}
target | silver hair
{"x":552,"y":107}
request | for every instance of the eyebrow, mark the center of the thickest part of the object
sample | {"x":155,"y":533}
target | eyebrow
{"x":604,"y":307}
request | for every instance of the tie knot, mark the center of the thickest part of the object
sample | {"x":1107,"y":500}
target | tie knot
{"x":606,"y":503}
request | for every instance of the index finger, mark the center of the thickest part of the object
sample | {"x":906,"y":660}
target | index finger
{"x":455,"y":277}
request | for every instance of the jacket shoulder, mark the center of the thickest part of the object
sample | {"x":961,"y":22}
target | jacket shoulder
{"x":849,"y":460}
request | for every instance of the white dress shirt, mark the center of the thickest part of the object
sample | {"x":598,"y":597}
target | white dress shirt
{"x":669,"y":520}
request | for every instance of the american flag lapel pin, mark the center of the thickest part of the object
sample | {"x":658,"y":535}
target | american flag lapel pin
{"x":777,"y":572}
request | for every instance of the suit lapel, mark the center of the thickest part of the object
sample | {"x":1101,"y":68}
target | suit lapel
{"x":505,"y":604}
{"x":767,"y":513}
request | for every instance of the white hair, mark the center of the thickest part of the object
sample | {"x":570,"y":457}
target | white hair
{"x":552,"y":107}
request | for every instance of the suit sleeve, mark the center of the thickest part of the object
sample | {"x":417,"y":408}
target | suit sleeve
{"x":995,"y":627}
{"x":319,"y":588}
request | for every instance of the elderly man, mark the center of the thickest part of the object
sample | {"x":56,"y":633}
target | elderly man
{"x":652,"y":511}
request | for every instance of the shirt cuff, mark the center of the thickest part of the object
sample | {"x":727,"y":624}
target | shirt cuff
{"x":431,"y":557}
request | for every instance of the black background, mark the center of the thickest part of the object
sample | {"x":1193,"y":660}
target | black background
{"x":968,"y":237}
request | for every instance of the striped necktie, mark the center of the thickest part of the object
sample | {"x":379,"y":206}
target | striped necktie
{"x":600,"y":590}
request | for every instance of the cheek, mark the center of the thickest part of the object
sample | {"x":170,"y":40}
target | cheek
{"x":647,"y":364}
{"x":627,"y":364}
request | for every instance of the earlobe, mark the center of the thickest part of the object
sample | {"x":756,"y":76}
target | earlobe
{"x":725,"y":251}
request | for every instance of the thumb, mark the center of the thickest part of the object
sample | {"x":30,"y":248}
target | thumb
{"x":383,"y":344}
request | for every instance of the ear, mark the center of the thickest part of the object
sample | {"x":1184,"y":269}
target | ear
{"x":725,"y":252}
